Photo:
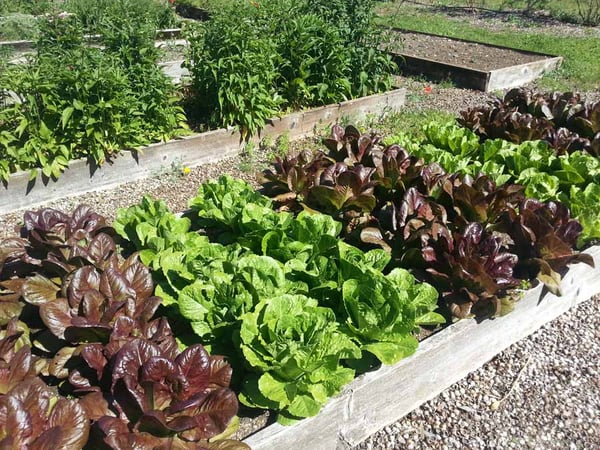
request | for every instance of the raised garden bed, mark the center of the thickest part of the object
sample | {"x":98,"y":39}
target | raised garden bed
{"x":81,"y":176}
{"x":377,"y":399}
{"x":470,"y":64}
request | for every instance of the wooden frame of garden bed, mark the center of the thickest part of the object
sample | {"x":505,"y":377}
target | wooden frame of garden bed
{"x":83,"y":176}
{"x":468,"y":77}
{"x":377,"y":399}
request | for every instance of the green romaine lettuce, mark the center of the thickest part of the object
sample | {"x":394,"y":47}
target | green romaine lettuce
{"x":585,"y":206}
{"x":294,"y":348}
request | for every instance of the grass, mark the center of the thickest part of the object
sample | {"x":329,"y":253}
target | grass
{"x":580,"y":70}
{"x":566,"y":10}
{"x":407,"y":121}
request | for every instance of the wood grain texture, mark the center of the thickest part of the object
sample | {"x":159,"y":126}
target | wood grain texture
{"x":515,"y":76}
{"x":377,"y":399}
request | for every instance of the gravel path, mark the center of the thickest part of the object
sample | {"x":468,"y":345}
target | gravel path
{"x":541,"y":393}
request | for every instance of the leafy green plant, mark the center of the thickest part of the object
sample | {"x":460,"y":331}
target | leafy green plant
{"x":585,"y":206}
{"x":33,"y":7}
{"x":533,"y":164}
{"x":233,"y":68}
{"x":94,"y":15}
{"x":440,"y":225}
{"x":295,"y":346}
{"x":88,"y":328}
{"x":315,"y":65}
{"x":251,"y":60}
{"x":75,"y":101}
{"x":253,"y":261}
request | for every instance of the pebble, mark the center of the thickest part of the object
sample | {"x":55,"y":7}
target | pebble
{"x":542,"y":412}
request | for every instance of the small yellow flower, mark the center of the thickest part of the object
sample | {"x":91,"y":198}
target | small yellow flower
{"x":186,"y":170}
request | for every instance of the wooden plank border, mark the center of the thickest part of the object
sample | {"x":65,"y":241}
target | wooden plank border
{"x":515,"y":76}
{"x":83,"y":176}
{"x":377,"y":399}
{"x":471,"y":78}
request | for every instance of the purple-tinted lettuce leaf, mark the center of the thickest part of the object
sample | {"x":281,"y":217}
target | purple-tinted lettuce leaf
{"x":95,"y":405}
{"x":374,"y":236}
{"x":101,"y":251}
{"x":113,"y":433}
{"x":352,"y":147}
{"x":13,"y":261}
{"x":115,"y":286}
{"x":165,"y":396}
{"x":15,"y":423}
{"x":44,"y":419}
{"x":474,"y":273}
{"x":38,"y":289}
{"x":543,"y":232}
{"x":10,"y":300}
{"x":341,"y":189}
{"x":211,"y":414}
{"x":16,"y":362}
{"x":478,"y":200}
{"x":56,"y":316}
{"x":194,"y":363}
{"x":220,"y":372}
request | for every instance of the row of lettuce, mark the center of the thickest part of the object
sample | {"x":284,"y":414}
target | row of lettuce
{"x":252,"y":61}
{"x":92,"y":358}
{"x":107,"y":330}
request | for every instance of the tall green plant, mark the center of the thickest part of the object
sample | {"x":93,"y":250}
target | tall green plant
{"x":94,"y":14}
{"x":253,"y":59}
{"x":76,"y":101}
{"x":233,"y":63}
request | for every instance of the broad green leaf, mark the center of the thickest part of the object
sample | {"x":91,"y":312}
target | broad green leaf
{"x":66,"y":116}
{"x":392,"y":352}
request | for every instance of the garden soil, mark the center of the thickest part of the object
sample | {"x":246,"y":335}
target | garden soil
{"x":462,"y":53}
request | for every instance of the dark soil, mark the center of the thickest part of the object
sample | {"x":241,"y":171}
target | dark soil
{"x":460,"y":53}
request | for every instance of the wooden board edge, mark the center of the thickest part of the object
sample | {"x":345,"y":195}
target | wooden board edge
{"x":515,"y":76}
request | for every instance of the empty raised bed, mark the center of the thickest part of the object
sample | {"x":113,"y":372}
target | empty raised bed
{"x":470,"y":64}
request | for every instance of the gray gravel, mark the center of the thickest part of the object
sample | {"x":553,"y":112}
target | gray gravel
{"x":541,"y":393}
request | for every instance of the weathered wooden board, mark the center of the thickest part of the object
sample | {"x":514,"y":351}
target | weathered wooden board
{"x":377,"y":399}
{"x":81,"y":176}
{"x":465,"y":77}
{"x":515,"y":76}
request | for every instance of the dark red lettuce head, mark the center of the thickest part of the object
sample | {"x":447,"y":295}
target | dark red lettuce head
{"x":340,"y":190}
{"x":351,"y":147}
{"x":543,"y":236}
{"x":85,"y":307}
{"x":33,"y":415}
{"x":182,"y":397}
{"x":49,"y":227}
{"x":475,"y":274}
{"x":477,"y":200}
